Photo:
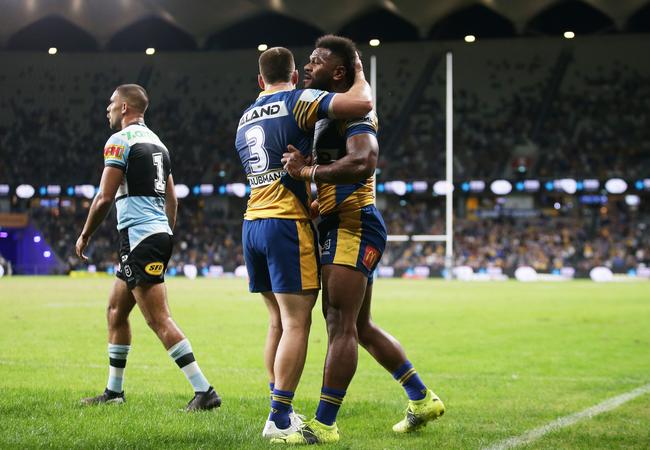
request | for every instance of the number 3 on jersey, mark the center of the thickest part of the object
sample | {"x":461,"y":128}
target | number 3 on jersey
{"x":159,"y":183}
{"x":259,"y":161}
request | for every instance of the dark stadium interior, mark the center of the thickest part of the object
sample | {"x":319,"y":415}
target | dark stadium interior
{"x":528,"y":104}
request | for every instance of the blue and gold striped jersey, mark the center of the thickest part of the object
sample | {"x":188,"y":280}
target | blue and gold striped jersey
{"x":275,"y":120}
{"x":330,"y":138}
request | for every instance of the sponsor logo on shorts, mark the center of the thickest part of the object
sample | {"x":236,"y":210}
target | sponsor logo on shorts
{"x":125,"y":257}
{"x":154,"y":268}
{"x":127,"y":271}
{"x":327,"y":244}
{"x":113,"y":151}
{"x":370,"y":257}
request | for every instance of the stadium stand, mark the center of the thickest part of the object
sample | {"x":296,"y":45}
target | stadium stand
{"x":528,"y":107}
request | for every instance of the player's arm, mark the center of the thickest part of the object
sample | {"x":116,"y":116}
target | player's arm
{"x":357,"y":101}
{"x":171,"y":202}
{"x":101,"y":205}
{"x":358,"y":164}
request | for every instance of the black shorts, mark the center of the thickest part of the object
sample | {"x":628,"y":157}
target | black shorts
{"x":148,"y":260}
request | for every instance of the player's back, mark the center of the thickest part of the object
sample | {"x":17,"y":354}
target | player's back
{"x":267,"y":127}
{"x":145,"y":160}
{"x":330,"y":138}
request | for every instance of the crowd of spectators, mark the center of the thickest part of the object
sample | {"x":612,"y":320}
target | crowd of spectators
{"x":597,"y":125}
{"x":209,"y":235}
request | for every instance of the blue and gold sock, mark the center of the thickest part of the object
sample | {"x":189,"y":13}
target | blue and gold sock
{"x":280,"y":407}
{"x":410,"y":381}
{"x":328,"y":407}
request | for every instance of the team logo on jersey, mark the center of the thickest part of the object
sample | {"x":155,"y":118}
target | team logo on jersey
{"x":263,"y":112}
{"x":154,"y":268}
{"x":370,"y":257}
{"x":113,"y":151}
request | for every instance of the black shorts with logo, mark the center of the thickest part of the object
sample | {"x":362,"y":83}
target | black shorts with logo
{"x":148,"y":260}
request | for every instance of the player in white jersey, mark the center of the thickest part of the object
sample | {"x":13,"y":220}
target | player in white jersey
{"x":137,"y":176}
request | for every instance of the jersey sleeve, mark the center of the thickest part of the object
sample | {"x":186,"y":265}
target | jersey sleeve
{"x":310,"y":106}
{"x":116,"y":153}
{"x":368,"y":125}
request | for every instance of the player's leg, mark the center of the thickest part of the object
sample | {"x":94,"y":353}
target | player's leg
{"x":424,"y":405}
{"x":152,"y":301}
{"x":292,"y":264}
{"x":343,"y":291}
{"x":273,"y":335}
{"x":290,"y":355}
{"x":120,"y":304}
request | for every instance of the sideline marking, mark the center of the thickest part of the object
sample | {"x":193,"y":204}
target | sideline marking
{"x":569,"y":420}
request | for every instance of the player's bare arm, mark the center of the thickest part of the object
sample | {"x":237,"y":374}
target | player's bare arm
{"x":357,"y":101}
{"x":357,"y":165}
{"x":171,"y":202}
{"x":101,"y":205}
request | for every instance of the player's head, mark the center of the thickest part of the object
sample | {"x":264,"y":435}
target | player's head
{"x":128,"y":100}
{"x":331,"y":64}
{"x":277,"y":66}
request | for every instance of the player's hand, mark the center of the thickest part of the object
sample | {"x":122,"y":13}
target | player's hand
{"x":358,"y":65}
{"x":295,"y":164}
{"x":80,"y":247}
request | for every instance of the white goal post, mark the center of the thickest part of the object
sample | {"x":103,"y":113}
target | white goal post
{"x":448,"y":237}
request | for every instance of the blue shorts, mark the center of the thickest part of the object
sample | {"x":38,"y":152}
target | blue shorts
{"x":355,"y":239}
{"x":281,"y":255}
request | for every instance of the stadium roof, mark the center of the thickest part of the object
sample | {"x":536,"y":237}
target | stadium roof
{"x":208,"y":22}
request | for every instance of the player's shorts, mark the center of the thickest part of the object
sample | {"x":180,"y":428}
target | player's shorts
{"x":147,"y":262}
{"x":281,"y":255}
{"x":354,"y":239}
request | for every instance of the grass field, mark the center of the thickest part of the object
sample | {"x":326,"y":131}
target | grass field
{"x":504,"y":357}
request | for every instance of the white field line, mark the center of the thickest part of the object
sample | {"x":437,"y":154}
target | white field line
{"x":569,"y":420}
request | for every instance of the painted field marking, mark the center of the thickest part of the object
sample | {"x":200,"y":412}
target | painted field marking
{"x":569,"y":420}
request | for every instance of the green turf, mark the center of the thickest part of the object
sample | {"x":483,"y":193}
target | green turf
{"x":504,"y":357}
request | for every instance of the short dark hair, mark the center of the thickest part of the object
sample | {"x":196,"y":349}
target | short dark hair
{"x":135,"y":96}
{"x":277,"y":65}
{"x":344,"y":48}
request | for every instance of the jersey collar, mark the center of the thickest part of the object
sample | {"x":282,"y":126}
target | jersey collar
{"x":273,"y":91}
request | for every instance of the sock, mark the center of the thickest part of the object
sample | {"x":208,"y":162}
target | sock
{"x":181,"y":352}
{"x":328,"y":407}
{"x":117,"y":354}
{"x":271,"y":387}
{"x":410,"y":381}
{"x":280,"y":406}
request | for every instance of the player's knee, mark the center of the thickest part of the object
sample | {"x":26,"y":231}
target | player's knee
{"x":338,"y":324}
{"x":158,"y":323}
{"x":366,"y":330}
{"x":115,"y":316}
{"x":294,"y":324}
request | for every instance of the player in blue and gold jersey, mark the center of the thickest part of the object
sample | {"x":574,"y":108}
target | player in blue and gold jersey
{"x":137,"y":169}
{"x":278,"y":238}
{"x":353,"y":238}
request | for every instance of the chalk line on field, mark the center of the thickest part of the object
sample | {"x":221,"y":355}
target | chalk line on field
{"x":569,"y":420}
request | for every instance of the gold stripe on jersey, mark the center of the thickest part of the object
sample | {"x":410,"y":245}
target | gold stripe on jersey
{"x":306,"y":112}
{"x":348,"y":238}
{"x":276,"y":201}
{"x":359,"y":196}
{"x":308,"y":265}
